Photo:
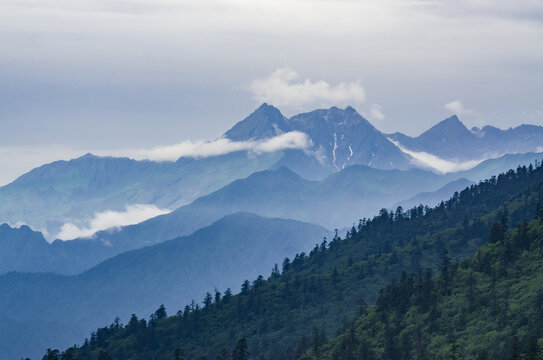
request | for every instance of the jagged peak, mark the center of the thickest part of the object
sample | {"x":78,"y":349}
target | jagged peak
{"x":88,"y":156}
{"x":334,"y":115}
{"x":266,"y":121}
{"x":265,"y":107}
{"x":451,"y":126}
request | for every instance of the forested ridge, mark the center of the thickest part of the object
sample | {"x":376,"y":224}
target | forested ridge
{"x":316,"y":296}
{"x":489,"y":306}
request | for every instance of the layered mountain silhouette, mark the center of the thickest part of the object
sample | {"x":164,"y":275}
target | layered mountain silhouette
{"x":337,"y":201}
{"x":238,"y":247}
{"x":450,"y":139}
{"x":73,"y":191}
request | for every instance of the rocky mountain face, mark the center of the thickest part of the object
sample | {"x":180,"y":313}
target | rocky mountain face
{"x":340,"y":137}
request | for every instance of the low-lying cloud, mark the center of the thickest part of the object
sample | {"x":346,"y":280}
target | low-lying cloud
{"x":221,"y":146}
{"x":425,"y":159}
{"x":108,"y":219}
{"x":285,"y":87}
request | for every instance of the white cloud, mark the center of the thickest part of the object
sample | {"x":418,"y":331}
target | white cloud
{"x":284,"y":87}
{"x":425,"y":159}
{"x":108,"y":219}
{"x":376,"y":112}
{"x":458,"y":108}
{"x":221,"y":146}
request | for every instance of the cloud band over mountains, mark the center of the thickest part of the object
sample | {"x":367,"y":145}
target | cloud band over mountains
{"x":220,"y":146}
{"x":110,"y":219}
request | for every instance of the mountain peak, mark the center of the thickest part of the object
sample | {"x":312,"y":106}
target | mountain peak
{"x":265,"y":122}
{"x":452,"y":121}
{"x":450,"y":127}
{"x":333,"y":115}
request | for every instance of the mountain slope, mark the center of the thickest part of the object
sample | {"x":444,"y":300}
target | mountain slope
{"x":482,"y":305}
{"x":73,"y":191}
{"x":264,"y":123}
{"x":435,"y":197}
{"x":346,"y":138}
{"x":174,"y":272}
{"x":318,"y":293}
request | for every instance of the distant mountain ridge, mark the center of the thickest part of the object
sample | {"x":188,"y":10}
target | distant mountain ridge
{"x":451,"y":139}
{"x":73,"y":191}
{"x":232,"y":249}
{"x":357,"y":189}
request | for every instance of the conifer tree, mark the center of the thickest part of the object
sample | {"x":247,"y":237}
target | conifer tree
{"x":240,"y":351}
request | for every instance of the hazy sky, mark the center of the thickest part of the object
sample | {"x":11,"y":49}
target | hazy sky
{"x":92,"y":75}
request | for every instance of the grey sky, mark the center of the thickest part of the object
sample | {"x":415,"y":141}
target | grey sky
{"x":78,"y":76}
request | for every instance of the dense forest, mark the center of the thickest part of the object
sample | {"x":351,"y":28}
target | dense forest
{"x":348,"y":290}
{"x":489,"y":306}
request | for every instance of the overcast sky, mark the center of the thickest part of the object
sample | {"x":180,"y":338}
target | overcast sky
{"x":95,"y":75}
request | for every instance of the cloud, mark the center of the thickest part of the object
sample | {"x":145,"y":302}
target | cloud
{"x":284,"y":87}
{"x":221,"y":146}
{"x":458,"y":108}
{"x":108,"y":219}
{"x":376,"y":112}
{"x":430,"y":160}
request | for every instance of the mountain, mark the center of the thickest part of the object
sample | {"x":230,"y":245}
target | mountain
{"x":21,"y":249}
{"x":490,"y":167}
{"x":221,"y":255}
{"x":73,"y":191}
{"x":487,"y":306}
{"x":342,"y":198}
{"x":432,"y":198}
{"x":450,"y":139}
{"x":341,"y":137}
{"x":337,"y":201}
{"x":264,"y":123}
{"x":319,"y":294}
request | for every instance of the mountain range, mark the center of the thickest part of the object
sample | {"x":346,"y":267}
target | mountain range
{"x":450,"y":139}
{"x":339,"y":201}
{"x":462,"y":278}
{"x":74,"y":191}
{"x":222,"y":255}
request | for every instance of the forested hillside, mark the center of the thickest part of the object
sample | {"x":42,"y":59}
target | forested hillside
{"x":317,"y":295}
{"x":489,"y":306}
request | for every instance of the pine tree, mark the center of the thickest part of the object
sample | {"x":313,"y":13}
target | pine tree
{"x":51,"y":355}
{"x":160,"y":313}
{"x":208,"y":300}
{"x":241,"y":351}
{"x":178,"y":354}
